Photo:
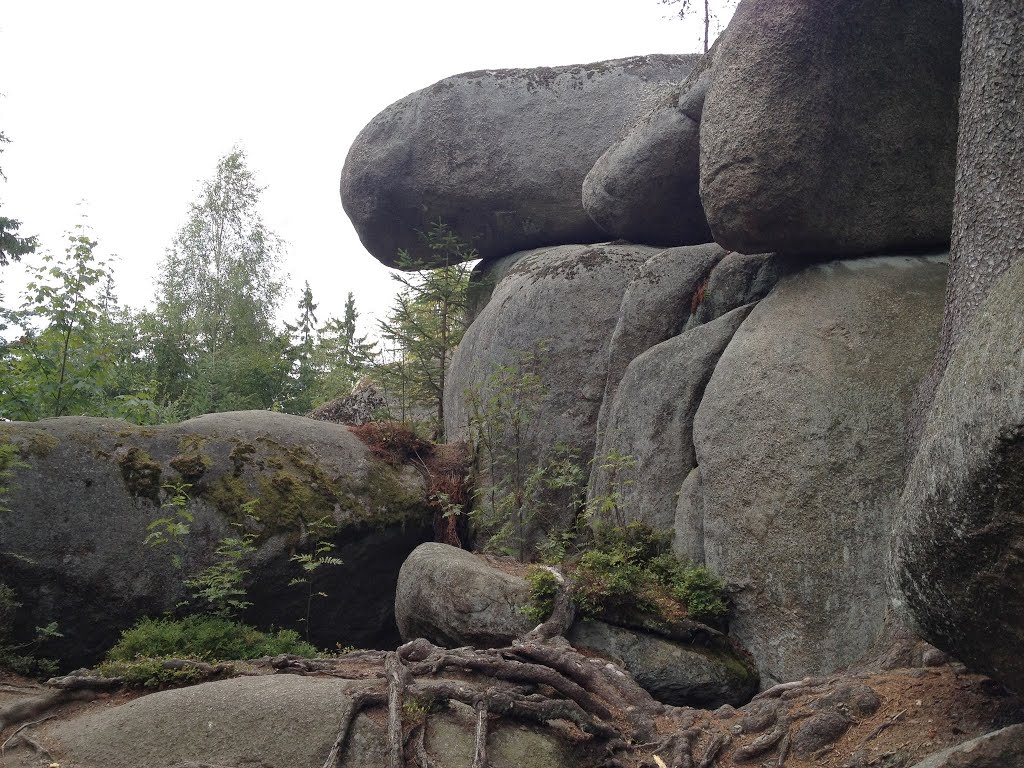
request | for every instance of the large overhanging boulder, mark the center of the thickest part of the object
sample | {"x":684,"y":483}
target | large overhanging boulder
{"x":830,"y":126}
{"x":499,"y":155}
{"x":799,"y":439}
{"x":73,"y":547}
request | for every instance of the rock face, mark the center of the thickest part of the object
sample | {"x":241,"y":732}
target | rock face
{"x":239,"y":722}
{"x":799,"y":440}
{"x":655,"y":307}
{"x":990,"y":172}
{"x":956,"y":560}
{"x":672,"y":672}
{"x":359,"y":407}
{"x":549,"y":319}
{"x":736,"y":280}
{"x":830,"y":126}
{"x":74,"y":551}
{"x":990,"y":176}
{"x":998,"y":749}
{"x":453,"y":598}
{"x":646,"y":187}
{"x":651,"y":421}
{"x":499,"y":155}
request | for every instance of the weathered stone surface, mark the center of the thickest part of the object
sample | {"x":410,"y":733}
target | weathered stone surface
{"x":557,"y":308}
{"x":799,"y":440}
{"x":454,"y":598}
{"x":359,"y":407}
{"x":282,"y":721}
{"x":830,"y":126}
{"x":651,"y":421}
{"x":688,"y":531}
{"x":672,"y":672}
{"x":990,"y":171}
{"x":655,"y":307}
{"x":956,"y":555}
{"x":498,"y":155}
{"x":73,"y":549}
{"x":854,"y":699}
{"x":999,"y":749}
{"x":736,"y":280}
{"x":646,"y":186}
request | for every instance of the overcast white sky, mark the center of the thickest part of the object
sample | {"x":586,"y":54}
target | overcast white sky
{"x":128,"y":105}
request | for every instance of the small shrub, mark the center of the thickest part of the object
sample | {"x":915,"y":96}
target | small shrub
{"x":311,"y":562}
{"x":703,"y":593}
{"x":176,"y":523}
{"x":414,"y":712}
{"x":207,"y":638}
{"x":630,"y":571}
{"x":607,"y":583}
{"x":151,"y":673}
{"x":544,"y":585}
{"x":19,"y":657}
{"x":393,"y":441}
{"x":221,"y":585}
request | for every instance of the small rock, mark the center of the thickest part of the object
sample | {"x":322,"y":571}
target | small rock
{"x":934,"y":658}
{"x":453,"y":598}
{"x":672,"y":672}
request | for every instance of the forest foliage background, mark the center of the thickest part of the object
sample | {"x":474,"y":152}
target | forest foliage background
{"x":211,"y":342}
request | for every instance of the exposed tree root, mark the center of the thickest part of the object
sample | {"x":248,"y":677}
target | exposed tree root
{"x":480,"y":746}
{"x":359,"y":701}
{"x":396,"y":676}
{"x":16,"y":737}
{"x":562,"y":615}
{"x":761,"y":744}
{"x":20,"y":711}
{"x":714,"y":749}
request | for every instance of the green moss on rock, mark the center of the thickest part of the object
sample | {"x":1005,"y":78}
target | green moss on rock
{"x":40,"y":445}
{"x":141,"y":474}
{"x":191,"y":466}
{"x":227,"y":494}
{"x":389,"y":502}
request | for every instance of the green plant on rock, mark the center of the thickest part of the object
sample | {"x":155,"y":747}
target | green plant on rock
{"x":175,"y":524}
{"x":520,"y":497}
{"x":208,"y":638}
{"x":150,"y":673}
{"x":702,"y":592}
{"x":607,"y":508}
{"x":629,"y":573}
{"x":19,"y":657}
{"x":544,"y":586}
{"x":220,"y":587}
{"x":311,"y":562}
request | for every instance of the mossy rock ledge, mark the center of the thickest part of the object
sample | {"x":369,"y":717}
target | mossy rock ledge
{"x":72,"y":545}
